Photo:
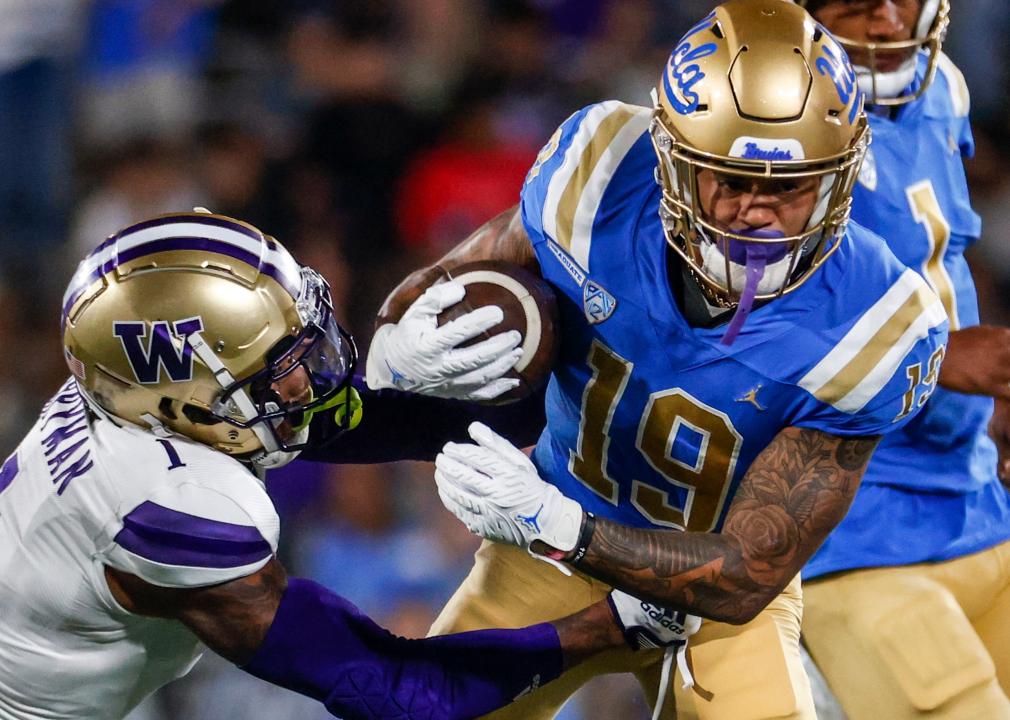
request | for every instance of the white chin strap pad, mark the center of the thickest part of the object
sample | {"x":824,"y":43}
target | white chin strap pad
{"x":889,"y":85}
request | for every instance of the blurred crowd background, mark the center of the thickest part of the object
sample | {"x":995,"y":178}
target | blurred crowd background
{"x":368,"y":136}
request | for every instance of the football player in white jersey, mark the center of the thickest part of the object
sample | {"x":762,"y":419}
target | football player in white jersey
{"x":134,"y":527}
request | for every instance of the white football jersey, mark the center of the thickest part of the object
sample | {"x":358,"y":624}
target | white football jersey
{"x":82,"y":492}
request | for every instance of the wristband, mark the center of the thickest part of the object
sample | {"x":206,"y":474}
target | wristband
{"x":585,"y":537}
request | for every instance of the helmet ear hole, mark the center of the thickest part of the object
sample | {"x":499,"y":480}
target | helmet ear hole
{"x":166,"y":409}
{"x":199,"y":416}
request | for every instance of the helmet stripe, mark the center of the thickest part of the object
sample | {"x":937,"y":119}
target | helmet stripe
{"x":193,"y":233}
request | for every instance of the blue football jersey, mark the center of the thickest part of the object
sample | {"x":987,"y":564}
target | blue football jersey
{"x":937,"y":474}
{"x":652,"y":422}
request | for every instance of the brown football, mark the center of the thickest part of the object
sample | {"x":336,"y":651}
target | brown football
{"x":529,"y":305}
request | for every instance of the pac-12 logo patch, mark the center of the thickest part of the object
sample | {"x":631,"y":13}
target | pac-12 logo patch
{"x":597,"y":303}
{"x":160,"y":350}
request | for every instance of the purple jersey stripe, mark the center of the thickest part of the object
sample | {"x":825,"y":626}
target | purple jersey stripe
{"x":291,"y":284}
{"x":8,"y":471}
{"x":171,"y":537}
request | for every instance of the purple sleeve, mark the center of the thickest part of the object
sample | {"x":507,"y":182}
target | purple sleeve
{"x":322,"y":646}
{"x":398,"y":425}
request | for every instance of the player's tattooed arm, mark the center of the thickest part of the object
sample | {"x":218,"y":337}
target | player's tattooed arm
{"x":231,"y":619}
{"x":503,"y":237}
{"x":794,"y":493}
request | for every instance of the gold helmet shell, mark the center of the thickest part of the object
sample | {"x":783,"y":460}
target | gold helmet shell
{"x":897,"y":87}
{"x":182,"y":322}
{"x":757,"y":89}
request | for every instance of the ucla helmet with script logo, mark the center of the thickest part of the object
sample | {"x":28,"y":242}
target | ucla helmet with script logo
{"x":895,"y":87}
{"x":757,"y":91}
{"x":189,"y":324}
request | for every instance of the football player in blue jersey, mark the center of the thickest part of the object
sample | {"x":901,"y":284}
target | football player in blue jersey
{"x":134,"y":532}
{"x":732,"y":352}
{"x":908,"y":602}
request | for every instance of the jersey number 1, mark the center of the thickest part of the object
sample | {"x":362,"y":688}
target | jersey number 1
{"x":927,"y":212}
{"x":667,"y":412}
{"x":173,"y":455}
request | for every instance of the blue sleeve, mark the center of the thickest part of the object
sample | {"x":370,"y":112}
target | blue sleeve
{"x":897,"y":402}
{"x":965,"y":139}
{"x":322,"y":646}
{"x":397,"y":425}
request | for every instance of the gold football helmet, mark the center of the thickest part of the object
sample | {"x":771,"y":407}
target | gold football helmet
{"x":756,"y":91}
{"x":896,"y":87}
{"x":190,"y":324}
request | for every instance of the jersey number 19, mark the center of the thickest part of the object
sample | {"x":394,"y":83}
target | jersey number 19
{"x":707,"y":480}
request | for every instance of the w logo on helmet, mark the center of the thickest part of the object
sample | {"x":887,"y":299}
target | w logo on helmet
{"x":160,"y":351}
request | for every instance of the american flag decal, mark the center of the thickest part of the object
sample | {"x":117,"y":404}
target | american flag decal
{"x":75,"y":365}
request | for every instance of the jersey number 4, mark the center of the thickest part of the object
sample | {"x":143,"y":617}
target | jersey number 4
{"x":667,"y":413}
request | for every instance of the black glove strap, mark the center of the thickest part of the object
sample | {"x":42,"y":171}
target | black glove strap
{"x":585,"y":537}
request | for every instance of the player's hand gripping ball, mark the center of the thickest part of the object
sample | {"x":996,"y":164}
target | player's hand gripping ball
{"x":529,"y":307}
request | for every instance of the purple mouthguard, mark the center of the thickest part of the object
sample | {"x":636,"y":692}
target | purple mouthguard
{"x":755,"y":256}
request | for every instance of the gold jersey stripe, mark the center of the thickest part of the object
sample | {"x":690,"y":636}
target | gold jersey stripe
{"x":591,"y":156}
{"x":926,"y":210}
{"x":880,"y":344}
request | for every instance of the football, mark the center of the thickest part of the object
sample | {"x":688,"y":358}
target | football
{"x":529,"y":305}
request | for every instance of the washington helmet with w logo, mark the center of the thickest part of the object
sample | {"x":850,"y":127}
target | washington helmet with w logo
{"x":192,"y":323}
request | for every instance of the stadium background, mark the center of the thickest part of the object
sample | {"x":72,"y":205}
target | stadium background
{"x":368,"y":136}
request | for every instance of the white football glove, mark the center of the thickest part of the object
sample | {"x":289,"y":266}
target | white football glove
{"x":416,"y":354}
{"x":495,"y":490}
{"x":650,"y":626}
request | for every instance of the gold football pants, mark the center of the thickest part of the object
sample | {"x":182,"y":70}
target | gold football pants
{"x":760,"y":678}
{"x":916,"y":641}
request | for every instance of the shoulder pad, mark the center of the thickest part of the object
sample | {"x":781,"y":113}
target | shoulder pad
{"x":192,"y":534}
{"x":862,"y":363}
{"x":564,"y":188}
{"x":960,"y":99}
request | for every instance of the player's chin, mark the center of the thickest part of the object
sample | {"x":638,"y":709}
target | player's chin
{"x":890,"y":62}
{"x":883,"y":61}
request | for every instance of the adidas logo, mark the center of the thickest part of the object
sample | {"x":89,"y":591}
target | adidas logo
{"x":662,"y":617}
